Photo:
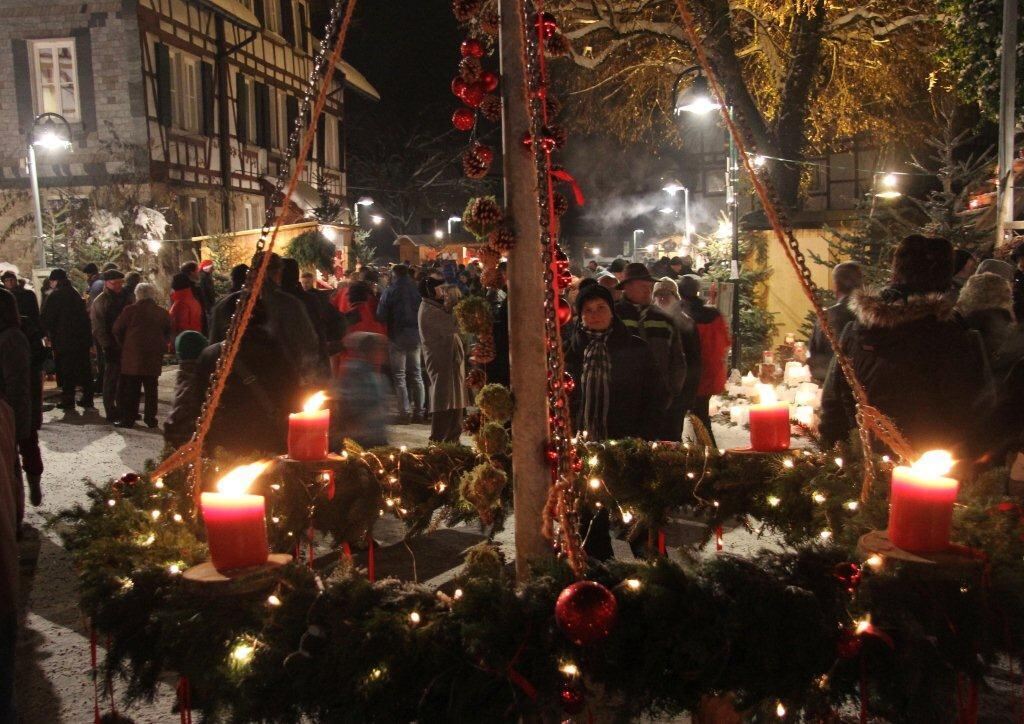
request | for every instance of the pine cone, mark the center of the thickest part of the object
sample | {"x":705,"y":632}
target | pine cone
{"x":470,"y":69}
{"x":482,"y":214}
{"x":466,"y":10}
{"x":561,"y":204}
{"x":491,"y":278}
{"x":476,"y":379}
{"x":489,"y":256}
{"x":558,"y":46}
{"x":473,"y":166}
{"x":490,"y":22}
{"x":490,"y":108}
{"x":483,"y":351}
{"x":503,"y":239}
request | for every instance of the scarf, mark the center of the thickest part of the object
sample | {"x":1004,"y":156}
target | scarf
{"x":596,"y":374}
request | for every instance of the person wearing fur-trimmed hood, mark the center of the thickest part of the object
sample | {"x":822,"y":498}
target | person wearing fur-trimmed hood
{"x":917,"y":363}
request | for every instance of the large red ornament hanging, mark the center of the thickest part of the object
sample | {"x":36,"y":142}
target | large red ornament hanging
{"x":458,"y":87}
{"x":586,"y":612}
{"x":490,"y":80}
{"x":472,"y":48}
{"x":472,"y":94}
{"x":848,"y":575}
{"x":564,"y":312}
{"x":546,"y":24}
{"x":464,"y":119}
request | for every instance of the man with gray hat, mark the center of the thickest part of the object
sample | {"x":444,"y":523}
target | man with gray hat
{"x":103,"y":313}
{"x":658,"y":330}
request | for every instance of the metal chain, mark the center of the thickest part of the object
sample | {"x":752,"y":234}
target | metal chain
{"x":869,"y":419}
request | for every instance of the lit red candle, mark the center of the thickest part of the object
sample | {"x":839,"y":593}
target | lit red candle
{"x":236,"y":522}
{"x":308,"y":430}
{"x":921,"y":503}
{"x":769,"y":422}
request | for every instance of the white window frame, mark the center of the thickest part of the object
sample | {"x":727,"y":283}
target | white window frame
{"x":332,"y":155}
{"x":250,"y":111}
{"x":279,"y":131}
{"x":54,"y":45}
{"x":252,"y":213}
{"x":186,"y":91}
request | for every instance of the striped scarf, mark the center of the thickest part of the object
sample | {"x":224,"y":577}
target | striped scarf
{"x":597,"y":370}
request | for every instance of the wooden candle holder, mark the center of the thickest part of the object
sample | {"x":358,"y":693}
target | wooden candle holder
{"x":256,"y":579}
{"x":877,"y":542}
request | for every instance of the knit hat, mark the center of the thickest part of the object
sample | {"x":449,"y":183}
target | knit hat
{"x":666,"y":286}
{"x":58,"y":275}
{"x":996,"y":266}
{"x":594,"y":291}
{"x":189,"y":345}
{"x":180,"y":281}
{"x":985,"y":291}
{"x":90,"y":268}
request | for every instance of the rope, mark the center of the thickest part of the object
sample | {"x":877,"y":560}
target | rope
{"x":869,"y":419}
{"x":190,"y":453}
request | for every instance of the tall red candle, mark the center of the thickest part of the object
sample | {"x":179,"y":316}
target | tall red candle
{"x":921,"y":504}
{"x":769,"y":423}
{"x":236,"y":524}
{"x":308,"y":430}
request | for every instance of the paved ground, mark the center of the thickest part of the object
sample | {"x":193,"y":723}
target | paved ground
{"x":54,"y":653}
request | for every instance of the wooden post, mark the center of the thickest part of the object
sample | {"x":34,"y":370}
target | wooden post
{"x":1007,"y":125}
{"x":531,"y":474}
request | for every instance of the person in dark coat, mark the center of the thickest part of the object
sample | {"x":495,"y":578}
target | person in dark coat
{"x":66,"y":324}
{"x":398,"y":310}
{"x":31,"y":327}
{"x":846,"y":279}
{"x":239,"y":272}
{"x":16,"y":386}
{"x":10,"y":571}
{"x":263,"y":388}
{"x":658,"y":330}
{"x":445,"y":356}
{"x":619,"y":389}
{"x":985,"y":305}
{"x":187,"y":405}
{"x":142,"y":331}
{"x":103,"y":314}
{"x":666,"y":296}
{"x":206,"y":283}
{"x":291,"y":284}
{"x":93,"y":281}
{"x":132,"y":280}
{"x":916,"y":362}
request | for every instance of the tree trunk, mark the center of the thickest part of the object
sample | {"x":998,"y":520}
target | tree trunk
{"x":530,"y":473}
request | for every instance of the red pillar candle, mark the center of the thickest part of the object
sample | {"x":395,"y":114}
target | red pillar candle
{"x":769,"y":423}
{"x":236,"y":523}
{"x":921,"y":504}
{"x":307,"y":430}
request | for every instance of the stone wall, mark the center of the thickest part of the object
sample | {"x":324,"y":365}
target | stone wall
{"x":109,"y":65}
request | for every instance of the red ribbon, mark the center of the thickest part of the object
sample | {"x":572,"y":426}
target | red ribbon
{"x":662,"y":550}
{"x":184,"y":692}
{"x":718,"y":538}
{"x":514,"y":676}
{"x":330,"y":483}
{"x":371,"y":568}
{"x":577,"y":193}
{"x":346,"y":549}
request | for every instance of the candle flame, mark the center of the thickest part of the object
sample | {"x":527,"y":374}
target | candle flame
{"x":766,"y":393}
{"x":934,"y":464}
{"x":238,"y":480}
{"x":315,"y":402}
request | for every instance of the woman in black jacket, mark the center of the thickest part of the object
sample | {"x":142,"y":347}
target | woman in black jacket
{"x":16,"y":388}
{"x":619,"y":389}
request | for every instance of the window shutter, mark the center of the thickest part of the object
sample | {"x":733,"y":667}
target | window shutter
{"x":303,"y":29}
{"x":260,"y":11}
{"x":163,"y":85}
{"x":242,"y":108}
{"x":22,"y":85}
{"x":292,"y":109}
{"x":86,"y":87}
{"x":287,"y":21}
{"x":321,"y":137}
{"x":262,"y":114}
{"x":207,"y":98}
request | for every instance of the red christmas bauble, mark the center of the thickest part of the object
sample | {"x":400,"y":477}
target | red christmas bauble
{"x":459,"y":87}
{"x":129,"y":479}
{"x":572,"y":699}
{"x":551,"y":453}
{"x":568,"y":382}
{"x":490,"y":80}
{"x":472,"y":48}
{"x":473,"y":94}
{"x":848,"y":644}
{"x":526,"y":141}
{"x":564,"y":312}
{"x":848,"y":575}
{"x":546,"y":24}
{"x":484,"y":153}
{"x":586,"y":611}
{"x":463,"y":119}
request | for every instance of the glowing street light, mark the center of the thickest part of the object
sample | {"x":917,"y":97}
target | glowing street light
{"x":697,"y":98}
{"x":438,"y":234}
{"x":363,"y":201}
{"x":377,"y":219}
{"x":666,"y":210}
{"x":596,"y":251}
{"x":888,"y":187}
{"x":50,"y":132}
{"x":673,"y":187}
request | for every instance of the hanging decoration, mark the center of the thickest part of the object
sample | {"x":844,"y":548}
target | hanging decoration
{"x":476,"y":161}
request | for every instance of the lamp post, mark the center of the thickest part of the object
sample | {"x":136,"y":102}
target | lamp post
{"x":363,"y":201}
{"x":673,"y":187}
{"x":638,"y":234}
{"x":51,"y":132}
{"x":453,"y":220}
{"x":697,"y":100}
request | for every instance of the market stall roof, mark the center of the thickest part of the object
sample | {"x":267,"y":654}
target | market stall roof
{"x":234,"y":11}
{"x":357,"y":81}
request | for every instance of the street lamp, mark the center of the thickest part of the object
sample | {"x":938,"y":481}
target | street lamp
{"x":596,"y":251}
{"x":888,"y":187}
{"x":50,"y":132}
{"x":363,"y":201}
{"x":377,"y":219}
{"x":438,"y":234}
{"x":453,"y":220}
{"x":638,"y":234}
{"x":697,"y":99}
